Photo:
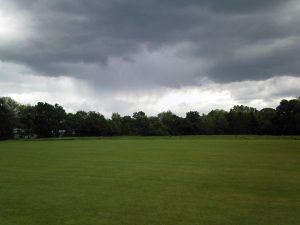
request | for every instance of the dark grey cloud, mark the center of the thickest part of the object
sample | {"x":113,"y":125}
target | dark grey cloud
{"x":225,"y":41}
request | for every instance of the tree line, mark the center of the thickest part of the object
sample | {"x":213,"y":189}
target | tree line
{"x":46,"y":120}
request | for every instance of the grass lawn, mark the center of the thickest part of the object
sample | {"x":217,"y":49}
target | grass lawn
{"x":151,"y":181}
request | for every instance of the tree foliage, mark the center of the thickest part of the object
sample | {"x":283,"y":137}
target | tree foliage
{"x":46,"y":120}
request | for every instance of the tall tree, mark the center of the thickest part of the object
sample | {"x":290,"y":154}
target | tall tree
{"x":170,"y":120}
{"x":78,"y":121}
{"x":141,"y":123}
{"x":48,"y":119}
{"x":7,"y":120}
{"x":266,"y":119}
{"x":127,"y":125}
{"x":96,"y":124}
{"x":156,"y":127}
{"x":115,"y":124}
{"x":26,"y":119}
{"x":242,"y":120}
{"x":288,"y":116}
{"x":194,"y":120}
{"x":219,"y":121}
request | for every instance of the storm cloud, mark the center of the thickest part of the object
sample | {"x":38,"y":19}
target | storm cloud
{"x":220,"y":40}
{"x":125,"y":50}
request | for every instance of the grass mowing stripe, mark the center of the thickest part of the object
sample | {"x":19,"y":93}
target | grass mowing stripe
{"x":184,"y":180}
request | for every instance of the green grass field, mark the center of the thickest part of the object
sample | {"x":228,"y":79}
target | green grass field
{"x":151,"y":181}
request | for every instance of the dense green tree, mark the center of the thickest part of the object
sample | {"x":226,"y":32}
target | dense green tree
{"x":242,"y":120}
{"x":78,"y":121}
{"x":96,"y":124}
{"x":156,"y":127}
{"x":70,"y":124}
{"x":115,"y":124}
{"x":26,"y":119}
{"x":288,"y":117}
{"x":48,"y":119}
{"x":219,"y":122}
{"x":193,"y":118}
{"x":6,"y":120}
{"x":266,"y":120}
{"x":170,"y":121}
{"x":141,"y":123}
{"x":127,"y":125}
{"x":206,"y":125}
{"x":11,"y":105}
{"x":182,"y":126}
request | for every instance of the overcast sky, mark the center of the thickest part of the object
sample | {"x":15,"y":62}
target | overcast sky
{"x":151,"y":55}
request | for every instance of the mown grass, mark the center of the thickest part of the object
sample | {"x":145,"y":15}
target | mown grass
{"x":151,"y":181}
